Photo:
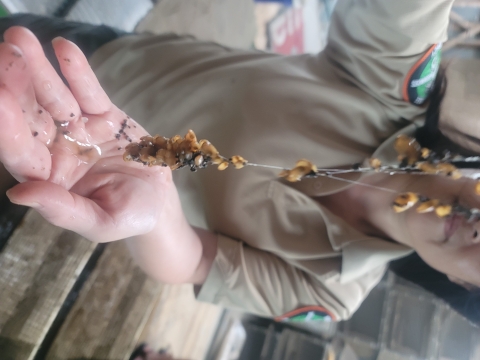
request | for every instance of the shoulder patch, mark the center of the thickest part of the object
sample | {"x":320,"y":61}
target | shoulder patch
{"x":306,"y":314}
{"x":421,"y":77}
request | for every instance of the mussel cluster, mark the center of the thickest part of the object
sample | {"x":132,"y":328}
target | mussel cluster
{"x":178,"y":152}
{"x":303,"y":168}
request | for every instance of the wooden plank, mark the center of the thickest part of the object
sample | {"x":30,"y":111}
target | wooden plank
{"x":470,"y":32}
{"x":470,"y":43}
{"x":460,"y":21}
{"x":110,"y":312}
{"x":181,"y":324}
{"x":467,"y":3}
{"x":38,"y":267}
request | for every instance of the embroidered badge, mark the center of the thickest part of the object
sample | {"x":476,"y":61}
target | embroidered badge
{"x":308,"y":313}
{"x":421,"y":77}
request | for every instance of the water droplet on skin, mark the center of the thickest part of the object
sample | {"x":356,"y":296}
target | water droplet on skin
{"x":78,"y":142}
{"x":47,"y":85}
{"x":72,"y":217}
{"x":84,"y":119}
{"x":48,"y":141}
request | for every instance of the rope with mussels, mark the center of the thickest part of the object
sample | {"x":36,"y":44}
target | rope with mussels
{"x":180,"y":152}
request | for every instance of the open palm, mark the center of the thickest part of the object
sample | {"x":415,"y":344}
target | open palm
{"x":65,"y":145}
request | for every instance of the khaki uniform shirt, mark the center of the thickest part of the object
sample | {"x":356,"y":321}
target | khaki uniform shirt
{"x":278,"y":249}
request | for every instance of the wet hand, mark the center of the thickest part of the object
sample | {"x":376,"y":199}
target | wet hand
{"x":65,"y":145}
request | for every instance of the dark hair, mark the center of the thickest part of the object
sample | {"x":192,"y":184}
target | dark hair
{"x":429,"y":135}
{"x":412,"y":268}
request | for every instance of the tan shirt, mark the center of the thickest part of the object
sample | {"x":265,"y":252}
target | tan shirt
{"x":279,"y":250}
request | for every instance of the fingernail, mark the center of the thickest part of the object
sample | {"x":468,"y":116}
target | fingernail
{"x":57,"y":39}
{"x":9,"y":194}
{"x":32,"y":204}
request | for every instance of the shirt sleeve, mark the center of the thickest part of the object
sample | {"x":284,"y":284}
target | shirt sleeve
{"x":389,"y":48}
{"x":261,"y":283}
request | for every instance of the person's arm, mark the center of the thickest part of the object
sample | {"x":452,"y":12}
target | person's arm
{"x":74,"y":175}
{"x":262,"y":283}
{"x":389,"y":48}
{"x":175,"y":252}
{"x":64,"y":147}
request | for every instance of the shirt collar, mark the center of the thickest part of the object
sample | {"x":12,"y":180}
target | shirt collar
{"x":360,"y":253}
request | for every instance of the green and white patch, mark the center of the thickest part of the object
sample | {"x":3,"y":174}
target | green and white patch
{"x":307,"y":314}
{"x":421,"y":79}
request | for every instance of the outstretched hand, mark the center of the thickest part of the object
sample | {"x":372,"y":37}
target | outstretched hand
{"x":65,"y":145}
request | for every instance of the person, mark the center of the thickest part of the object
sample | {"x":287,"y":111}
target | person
{"x":245,"y":239}
{"x":145,"y":352}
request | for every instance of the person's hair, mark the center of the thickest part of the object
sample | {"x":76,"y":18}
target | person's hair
{"x":412,"y":268}
{"x":429,"y":135}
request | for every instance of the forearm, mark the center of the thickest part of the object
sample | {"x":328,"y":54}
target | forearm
{"x":174,"y":252}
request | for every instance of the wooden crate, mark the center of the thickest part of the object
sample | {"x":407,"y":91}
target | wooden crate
{"x":63,"y":297}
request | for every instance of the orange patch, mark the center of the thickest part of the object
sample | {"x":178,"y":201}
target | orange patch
{"x":318,"y":311}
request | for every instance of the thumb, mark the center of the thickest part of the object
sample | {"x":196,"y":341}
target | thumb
{"x":58,"y":206}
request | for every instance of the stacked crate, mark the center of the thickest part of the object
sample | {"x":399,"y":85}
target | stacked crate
{"x":400,"y":321}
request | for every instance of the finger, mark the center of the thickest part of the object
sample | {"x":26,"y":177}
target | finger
{"x":109,"y":213}
{"x":59,"y":206}
{"x":50,"y":90}
{"x":15,"y":76}
{"x":23,"y":155}
{"x":81,"y":79}
{"x":14,"y":73}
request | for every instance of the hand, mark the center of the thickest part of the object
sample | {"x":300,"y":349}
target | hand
{"x":65,"y":145}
